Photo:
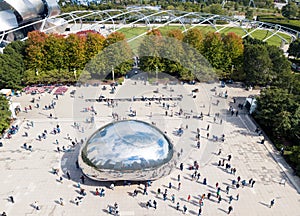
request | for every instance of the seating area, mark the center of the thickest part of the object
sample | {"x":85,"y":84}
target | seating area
{"x":60,"y":90}
{"x":38,"y":89}
{"x":42,"y":89}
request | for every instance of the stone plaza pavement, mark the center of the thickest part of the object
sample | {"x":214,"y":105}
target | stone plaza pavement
{"x":28,"y":176}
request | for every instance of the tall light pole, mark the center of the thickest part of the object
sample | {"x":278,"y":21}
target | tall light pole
{"x":75,"y":75}
{"x":113,"y":73}
{"x":210,"y":99}
{"x":156,"y":72}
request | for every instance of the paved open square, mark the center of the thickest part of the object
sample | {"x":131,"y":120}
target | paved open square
{"x":229,"y":167}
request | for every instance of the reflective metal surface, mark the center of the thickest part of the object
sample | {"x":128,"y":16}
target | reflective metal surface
{"x":26,"y":9}
{"x":8,"y":20}
{"x":127,"y":150}
{"x":53,"y":8}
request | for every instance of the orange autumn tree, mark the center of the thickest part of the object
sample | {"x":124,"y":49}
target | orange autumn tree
{"x":35,"y":55}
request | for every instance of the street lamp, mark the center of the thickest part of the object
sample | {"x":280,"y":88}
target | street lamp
{"x":156,"y":72}
{"x":210,"y":99}
{"x":75,"y":75}
{"x":113,"y":73}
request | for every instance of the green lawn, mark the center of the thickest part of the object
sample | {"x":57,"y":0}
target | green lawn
{"x":259,"y":34}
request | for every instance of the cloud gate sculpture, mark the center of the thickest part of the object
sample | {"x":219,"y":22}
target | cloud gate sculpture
{"x":127,"y":150}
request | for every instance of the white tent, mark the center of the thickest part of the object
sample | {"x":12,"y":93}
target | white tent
{"x":5,"y":92}
{"x":13,"y":106}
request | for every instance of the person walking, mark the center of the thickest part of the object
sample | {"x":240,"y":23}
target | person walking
{"x":11,"y":199}
{"x":154,"y":204}
{"x":208,"y":195}
{"x":177,"y":206}
{"x":199,"y":211}
{"x":230,"y":209}
{"x":189,"y":198}
{"x":227,"y":189}
{"x":178,"y":177}
{"x":272,"y":203}
{"x":181,"y":166}
{"x":184,"y":209}
{"x":230,"y":199}
{"x":204,"y":181}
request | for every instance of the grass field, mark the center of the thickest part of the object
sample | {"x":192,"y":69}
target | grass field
{"x":259,"y":34}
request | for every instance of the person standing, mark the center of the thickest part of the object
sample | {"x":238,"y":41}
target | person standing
{"x":68,"y":175}
{"x":154,"y":204}
{"x":189,"y":198}
{"x":82,"y":179}
{"x":184,"y":209}
{"x":179,"y":186}
{"x":61,"y":201}
{"x":230,"y":209}
{"x":173,"y":198}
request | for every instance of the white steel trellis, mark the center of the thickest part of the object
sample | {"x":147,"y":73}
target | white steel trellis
{"x":77,"y":18}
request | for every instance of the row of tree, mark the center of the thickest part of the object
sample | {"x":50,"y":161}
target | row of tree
{"x":54,"y":58}
{"x":185,"y":55}
{"x":4,"y":114}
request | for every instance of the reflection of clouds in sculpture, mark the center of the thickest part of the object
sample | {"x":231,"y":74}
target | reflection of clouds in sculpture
{"x":128,"y":145}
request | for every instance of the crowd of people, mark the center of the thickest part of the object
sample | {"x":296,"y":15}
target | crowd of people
{"x":191,"y":172}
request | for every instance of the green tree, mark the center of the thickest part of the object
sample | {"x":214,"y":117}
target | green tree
{"x":213,"y":49}
{"x":233,"y":53}
{"x":257,"y":64}
{"x":12,"y":65}
{"x":290,"y":10}
{"x":75,"y":52}
{"x":294,"y":48}
{"x":194,"y":37}
{"x":149,"y":52}
{"x":54,"y":52}
{"x":275,"y":108}
{"x":94,"y":45}
{"x":249,"y":14}
{"x":216,"y":9}
{"x":117,"y":56}
{"x":5,"y":114}
{"x":280,"y":64}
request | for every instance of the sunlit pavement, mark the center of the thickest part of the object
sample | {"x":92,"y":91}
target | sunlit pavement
{"x":28,"y":177}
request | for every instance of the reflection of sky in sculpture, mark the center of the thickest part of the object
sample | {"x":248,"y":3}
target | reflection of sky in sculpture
{"x":128,"y":145}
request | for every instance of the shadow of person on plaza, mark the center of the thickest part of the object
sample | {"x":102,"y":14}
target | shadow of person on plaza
{"x":264,"y":204}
